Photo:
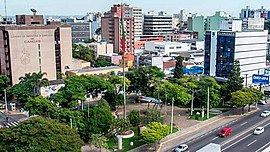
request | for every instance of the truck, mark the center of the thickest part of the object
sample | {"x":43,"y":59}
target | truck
{"x":212,"y":147}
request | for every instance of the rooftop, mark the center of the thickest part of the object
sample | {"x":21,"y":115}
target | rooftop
{"x":95,"y":69}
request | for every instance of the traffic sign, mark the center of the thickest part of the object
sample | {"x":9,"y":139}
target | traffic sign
{"x":260,"y":79}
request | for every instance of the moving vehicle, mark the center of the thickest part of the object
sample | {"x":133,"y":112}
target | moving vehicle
{"x":265,"y":113}
{"x":212,"y":147}
{"x":258,"y":130}
{"x":262,"y":102}
{"x":182,"y":147}
{"x":225,"y":132}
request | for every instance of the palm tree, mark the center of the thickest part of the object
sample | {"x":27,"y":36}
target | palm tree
{"x":35,"y":80}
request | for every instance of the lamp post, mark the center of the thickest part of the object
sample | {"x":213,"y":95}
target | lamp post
{"x":208,"y":104}
{"x":172,"y":116}
{"x":246,"y":79}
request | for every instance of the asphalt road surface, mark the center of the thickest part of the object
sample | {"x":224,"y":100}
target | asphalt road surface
{"x":241,"y":138}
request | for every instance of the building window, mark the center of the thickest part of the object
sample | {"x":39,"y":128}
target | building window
{"x":171,"y":48}
{"x":39,"y":46}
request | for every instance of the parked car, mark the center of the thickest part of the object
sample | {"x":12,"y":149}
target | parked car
{"x":182,"y":147}
{"x":265,"y":113}
{"x":258,"y":130}
{"x":262,"y":102}
{"x":225,"y":132}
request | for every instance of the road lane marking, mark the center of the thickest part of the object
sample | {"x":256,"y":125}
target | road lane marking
{"x":266,"y":125}
{"x":263,"y":147}
{"x":236,"y":142}
{"x":243,"y":123}
{"x":252,"y":143}
{"x":215,"y":138}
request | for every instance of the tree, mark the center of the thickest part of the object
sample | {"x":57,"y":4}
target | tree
{"x":214,"y":94}
{"x":40,"y":134}
{"x":59,"y":75}
{"x":101,"y":62}
{"x":99,"y":121}
{"x":134,"y":118}
{"x":239,"y":99}
{"x":99,"y":141}
{"x":254,"y":95}
{"x":178,"y":73}
{"x":152,"y":115}
{"x":154,"y":132}
{"x":119,"y":126}
{"x":235,"y":81}
{"x":40,"y":106}
{"x":83,"y":52}
{"x":115,"y":98}
{"x":144,"y":79}
{"x":3,"y":82}
{"x":171,"y":90}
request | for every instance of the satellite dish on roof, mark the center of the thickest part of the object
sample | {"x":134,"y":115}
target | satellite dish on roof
{"x":33,"y":10}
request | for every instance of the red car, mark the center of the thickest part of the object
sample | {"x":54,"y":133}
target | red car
{"x":225,"y":132}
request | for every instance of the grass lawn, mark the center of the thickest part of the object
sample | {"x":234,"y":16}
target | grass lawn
{"x":199,"y":117}
{"x":112,"y":143}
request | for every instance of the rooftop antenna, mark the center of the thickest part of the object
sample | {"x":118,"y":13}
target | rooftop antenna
{"x":34,"y":11}
{"x":5,"y":2}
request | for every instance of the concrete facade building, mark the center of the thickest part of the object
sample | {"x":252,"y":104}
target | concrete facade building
{"x":28,"y":49}
{"x":29,"y":19}
{"x":138,"y":21}
{"x":111,"y":27}
{"x":101,"y":48}
{"x":222,"y":48}
{"x":165,"y":48}
{"x":157,"y":24}
{"x":231,"y":25}
{"x":81,"y":31}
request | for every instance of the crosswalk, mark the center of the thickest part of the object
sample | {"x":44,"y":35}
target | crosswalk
{"x":10,"y":124}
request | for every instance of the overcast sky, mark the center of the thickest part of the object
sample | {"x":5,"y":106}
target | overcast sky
{"x":80,"y":7}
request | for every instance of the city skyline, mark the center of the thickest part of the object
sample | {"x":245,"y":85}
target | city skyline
{"x":81,"y":7}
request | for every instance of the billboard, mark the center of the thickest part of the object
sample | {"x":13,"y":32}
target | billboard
{"x":260,"y":79}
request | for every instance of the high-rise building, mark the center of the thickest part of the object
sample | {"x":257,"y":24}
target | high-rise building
{"x":138,"y":21}
{"x":222,"y":48}
{"x":111,"y":27}
{"x":157,"y":24}
{"x":34,"y":48}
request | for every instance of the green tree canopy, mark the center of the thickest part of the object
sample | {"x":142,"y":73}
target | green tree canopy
{"x":3,"y":82}
{"x":101,"y":62}
{"x":239,"y":99}
{"x":119,"y":126}
{"x":76,"y":87}
{"x":134,"y":118}
{"x":155,"y":132}
{"x":40,"y":134}
{"x":214,"y":94}
{"x":28,"y":86}
{"x":99,"y":141}
{"x":144,"y":78}
{"x":178,"y":73}
{"x":172,"y":90}
{"x":83,"y":52}
{"x":235,"y":81}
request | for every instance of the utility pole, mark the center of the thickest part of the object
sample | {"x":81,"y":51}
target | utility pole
{"x":172,"y":116}
{"x":6,"y":103}
{"x":191,"y":108}
{"x":70,"y":122}
{"x":166,"y":104}
{"x":88,"y":111}
{"x":246,"y":79}
{"x":208,"y":104}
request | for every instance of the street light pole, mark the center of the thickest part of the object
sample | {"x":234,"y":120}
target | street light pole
{"x":246,"y":79}
{"x":191,"y":108}
{"x":172,"y":116}
{"x":208,"y":104}
{"x":6,"y":103}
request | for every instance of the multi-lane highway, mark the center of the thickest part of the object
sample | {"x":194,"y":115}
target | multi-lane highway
{"x":241,"y":138}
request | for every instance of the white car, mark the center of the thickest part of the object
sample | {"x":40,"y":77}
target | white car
{"x":262,"y":102}
{"x":265,"y":113}
{"x":182,"y":147}
{"x":258,"y":130}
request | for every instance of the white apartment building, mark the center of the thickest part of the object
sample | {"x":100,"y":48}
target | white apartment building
{"x":166,"y":48}
{"x":138,"y":21}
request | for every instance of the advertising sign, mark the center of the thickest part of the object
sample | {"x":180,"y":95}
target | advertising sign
{"x":260,"y":79}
